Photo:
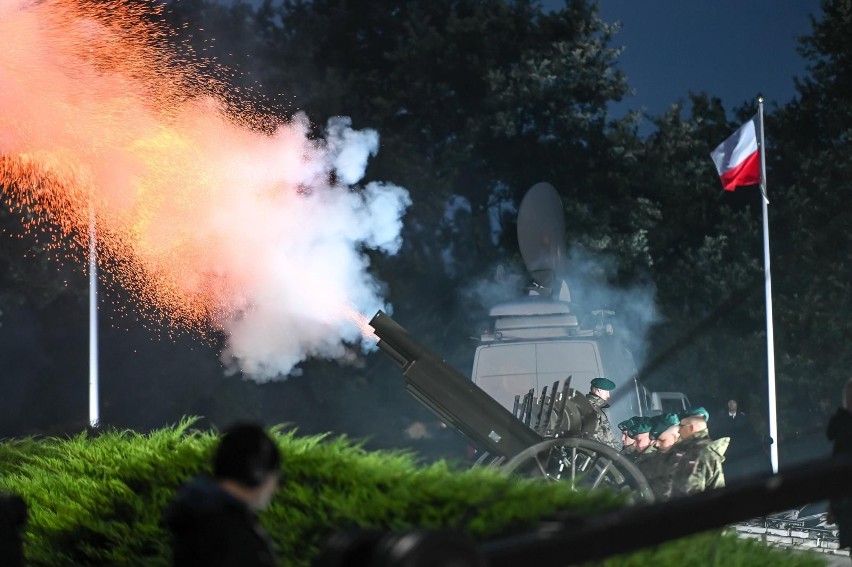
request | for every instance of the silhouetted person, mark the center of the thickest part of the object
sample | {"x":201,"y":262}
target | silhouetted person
{"x":13,"y":517}
{"x":735,"y":424}
{"x":840,"y":433}
{"x":213,"y":520}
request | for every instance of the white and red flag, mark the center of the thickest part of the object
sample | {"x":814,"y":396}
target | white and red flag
{"x":737,"y":159}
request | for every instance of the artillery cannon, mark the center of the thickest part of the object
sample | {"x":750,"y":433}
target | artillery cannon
{"x":553,"y":445}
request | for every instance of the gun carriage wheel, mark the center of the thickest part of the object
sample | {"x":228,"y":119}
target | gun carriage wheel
{"x":585,"y":464}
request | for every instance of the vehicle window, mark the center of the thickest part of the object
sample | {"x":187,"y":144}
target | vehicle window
{"x":672,"y":405}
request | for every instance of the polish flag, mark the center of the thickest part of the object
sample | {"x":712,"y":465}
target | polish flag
{"x":737,"y":159}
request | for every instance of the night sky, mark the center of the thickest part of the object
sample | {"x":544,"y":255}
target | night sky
{"x":733,"y":50}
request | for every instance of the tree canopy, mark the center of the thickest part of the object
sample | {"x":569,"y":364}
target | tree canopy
{"x":475,"y":101}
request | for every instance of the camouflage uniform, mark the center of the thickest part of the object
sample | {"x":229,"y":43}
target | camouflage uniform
{"x":603,"y":431}
{"x":645,"y":461}
{"x":653,"y":465}
{"x":629,"y":452}
{"x":697,"y":464}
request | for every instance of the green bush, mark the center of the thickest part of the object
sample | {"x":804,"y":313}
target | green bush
{"x":98,"y":500}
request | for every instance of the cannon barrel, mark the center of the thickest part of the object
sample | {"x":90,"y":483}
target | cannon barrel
{"x":452,"y":396}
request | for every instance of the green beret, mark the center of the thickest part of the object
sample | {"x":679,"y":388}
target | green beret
{"x":642,"y":425}
{"x":603,"y":384}
{"x":696,"y":412}
{"x":628,"y":425}
{"x":662,"y":422}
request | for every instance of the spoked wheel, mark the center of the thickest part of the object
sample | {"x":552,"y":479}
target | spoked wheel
{"x":587,"y":465}
{"x":487,"y":460}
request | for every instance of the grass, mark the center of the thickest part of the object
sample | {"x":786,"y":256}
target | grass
{"x":98,"y":500}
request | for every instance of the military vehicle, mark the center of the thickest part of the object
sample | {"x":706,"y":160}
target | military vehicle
{"x":532,"y":341}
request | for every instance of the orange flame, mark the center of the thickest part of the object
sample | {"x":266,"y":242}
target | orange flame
{"x":362,"y":323}
{"x":98,"y":110}
{"x":212,"y":218}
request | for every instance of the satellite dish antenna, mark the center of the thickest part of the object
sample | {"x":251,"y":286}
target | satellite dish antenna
{"x":541,"y":237}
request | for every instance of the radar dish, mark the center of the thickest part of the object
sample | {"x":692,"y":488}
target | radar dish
{"x":541,"y":233}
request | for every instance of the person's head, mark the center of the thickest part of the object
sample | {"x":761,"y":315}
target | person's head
{"x":667,"y":438}
{"x":732,"y":406}
{"x":691,"y":425}
{"x":660,"y":423}
{"x":602,"y":388}
{"x":640,"y":428}
{"x":642,"y":440}
{"x":628,"y":430}
{"x":247,"y":463}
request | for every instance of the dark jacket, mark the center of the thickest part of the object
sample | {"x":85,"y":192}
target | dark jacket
{"x":212,"y":528}
{"x":840,"y":433}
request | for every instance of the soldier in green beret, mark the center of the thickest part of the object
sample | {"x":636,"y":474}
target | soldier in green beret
{"x":661,"y":424}
{"x":642,"y":433}
{"x":628,"y":446}
{"x":699,"y":411}
{"x":657,"y":466}
{"x":652,"y":427}
{"x":600,"y":392}
{"x":698,"y":458}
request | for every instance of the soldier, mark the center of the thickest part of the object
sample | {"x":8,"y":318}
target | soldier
{"x":628,"y":445}
{"x":642,"y":440}
{"x":656,"y":463}
{"x":661,"y":437}
{"x":651,"y":428}
{"x":698,"y":458}
{"x":600,"y":392}
{"x":641,"y":434}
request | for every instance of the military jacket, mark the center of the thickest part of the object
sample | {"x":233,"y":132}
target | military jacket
{"x":652,"y":464}
{"x":603,"y":430}
{"x":697,"y":464}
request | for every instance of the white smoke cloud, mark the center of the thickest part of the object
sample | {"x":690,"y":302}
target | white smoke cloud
{"x":204,"y":218}
{"x":350,"y":149}
{"x":589,"y":279}
{"x":314,"y":269}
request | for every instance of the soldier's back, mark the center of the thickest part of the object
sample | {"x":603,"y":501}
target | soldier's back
{"x":698,"y":465}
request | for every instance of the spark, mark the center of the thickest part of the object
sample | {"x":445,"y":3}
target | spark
{"x":215,"y":214}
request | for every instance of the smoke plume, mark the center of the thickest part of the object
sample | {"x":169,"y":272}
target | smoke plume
{"x":589,"y":277}
{"x":216,"y":219}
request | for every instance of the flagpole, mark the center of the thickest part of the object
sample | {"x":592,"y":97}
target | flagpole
{"x":770,"y":339}
{"x":94,"y":416}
